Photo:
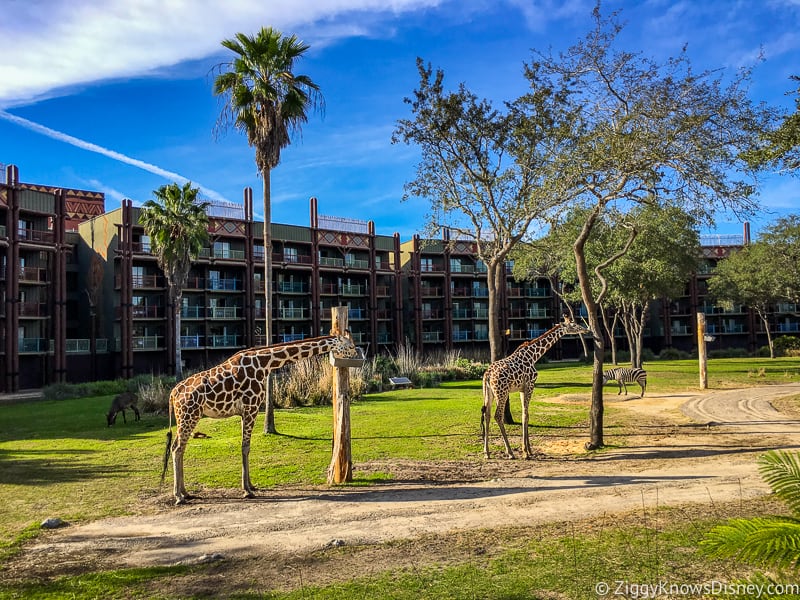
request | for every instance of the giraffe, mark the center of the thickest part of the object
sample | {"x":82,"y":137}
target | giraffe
{"x":517,"y":372}
{"x":236,"y":387}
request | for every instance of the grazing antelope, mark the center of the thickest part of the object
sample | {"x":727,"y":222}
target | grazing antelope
{"x":119,"y":404}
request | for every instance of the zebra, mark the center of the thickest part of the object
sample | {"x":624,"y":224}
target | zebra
{"x":623,"y":375}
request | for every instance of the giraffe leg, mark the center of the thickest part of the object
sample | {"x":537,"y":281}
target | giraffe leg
{"x":498,"y":416}
{"x":183,"y":432}
{"x":248,"y":421}
{"x":485,"y":417}
{"x":525,"y":397}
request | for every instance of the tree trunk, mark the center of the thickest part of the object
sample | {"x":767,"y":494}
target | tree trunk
{"x":269,"y":409}
{"x":495,"y":279}
{"x":596,"y":410}
{"x":770,"y":341}
{"x":178,"y":365}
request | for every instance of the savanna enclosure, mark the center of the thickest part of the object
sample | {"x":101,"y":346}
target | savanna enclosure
{"x":426,"y":516}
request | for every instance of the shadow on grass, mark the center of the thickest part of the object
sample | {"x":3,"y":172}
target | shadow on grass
{"x":49,"y":469}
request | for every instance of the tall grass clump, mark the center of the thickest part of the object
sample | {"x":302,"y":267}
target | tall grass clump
{"x":309,"y":382}
{"x":153,"y":392}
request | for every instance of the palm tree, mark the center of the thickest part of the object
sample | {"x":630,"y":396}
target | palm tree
{"x":177,"y":224}
{"x":267,"y":101}
{"x":768,"y":541}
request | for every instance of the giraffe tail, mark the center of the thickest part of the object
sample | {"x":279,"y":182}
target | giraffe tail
{"x":169,"y":443}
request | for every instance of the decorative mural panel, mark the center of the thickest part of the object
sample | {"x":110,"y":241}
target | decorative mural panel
{"x":342,"y":239}
{"x":220,"y":226}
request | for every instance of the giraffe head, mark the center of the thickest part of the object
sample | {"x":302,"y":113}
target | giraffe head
{"x":344,"y":347}
{"x":570,"y":327}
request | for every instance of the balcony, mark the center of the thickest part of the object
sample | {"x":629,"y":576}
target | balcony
{"x":537,"y":313}
{"x":147,"y":281}
{"x":33,"y":309}
{"x":35,"y":235}
{"x":325,"y":261}
{"x":788,"y":327}
{"x":431,"y":313}
{"x":147,"y":312}
{"x":148,"y":342}
{"x":33,"y":275}
{"x":480,"y":292}
{"x":462,"y":313}
{"x":223,"y":341}
{"x":224,"y":285}
{"x":358,"y":314}
{"x":461,"y":292}
{"x":192,"y":341}
{"x":459,"y":268}
{"x":285,"y":338}
{"x":293,"y":313}
{"x":353,"y":290}
{"x":462,"y":336}
{"x":432,"y":336}
{"x":292,"y":259}
{"x":35,"y":345}
{"x":356,"y":263}
{"x":193,"y":312}
{"x":83,"y":346}
{"x":430,"y":292}
{"x":223,"y":312}
{"x":290,"y":287}
{"x":382,"y":290}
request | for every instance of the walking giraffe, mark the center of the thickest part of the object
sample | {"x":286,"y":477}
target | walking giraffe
{"x":236,"y":387}
{"x":517,"y":372}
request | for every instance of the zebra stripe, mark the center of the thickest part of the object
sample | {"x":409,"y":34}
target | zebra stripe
{"x":623,"y":375}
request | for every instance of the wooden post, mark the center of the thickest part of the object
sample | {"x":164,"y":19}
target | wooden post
{"x":341,"y":468}
{"x":701,"y":350}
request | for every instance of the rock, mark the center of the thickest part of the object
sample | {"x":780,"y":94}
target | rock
{"x":53,"y":523}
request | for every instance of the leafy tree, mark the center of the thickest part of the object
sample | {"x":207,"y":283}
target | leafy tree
{"x":479,"y":169}
{"x":659,"y":262}
{"x":268,"y":102}
{"x":751,"y":276}
{"x":769,"y":541}
{"x":633,"y":131}
{"x":177,"y":224}
{"x":780,"y":147}
{"x":784,"y":238}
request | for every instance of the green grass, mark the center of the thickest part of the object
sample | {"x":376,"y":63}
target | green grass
{"x":59,"y":459}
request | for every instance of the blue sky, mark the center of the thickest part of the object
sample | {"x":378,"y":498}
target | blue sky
{"x":115,"y":95}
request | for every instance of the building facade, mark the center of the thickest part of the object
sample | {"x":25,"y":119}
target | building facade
{"x":83,"y":297}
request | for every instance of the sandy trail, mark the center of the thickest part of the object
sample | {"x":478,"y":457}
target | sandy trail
{"x":706,"y":452}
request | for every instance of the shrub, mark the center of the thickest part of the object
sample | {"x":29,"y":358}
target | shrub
{"x":673,"y":354}
{"x":786,"y":345}
{"x":153,"y":392}
{"x":309,"y":382}
{"x":729,"y":353}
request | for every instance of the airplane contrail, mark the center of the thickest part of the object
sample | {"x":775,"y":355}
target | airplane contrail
{"x":83,"y":144}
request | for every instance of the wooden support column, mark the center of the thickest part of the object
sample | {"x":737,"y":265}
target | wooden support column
{"x":341,"y":467}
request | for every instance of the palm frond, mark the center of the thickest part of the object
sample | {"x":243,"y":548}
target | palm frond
{"x":772,"y":541}
{"x":781,"y":470}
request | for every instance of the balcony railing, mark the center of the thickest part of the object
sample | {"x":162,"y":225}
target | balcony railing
{"x":223,"y":341}
{"x":33,"y":345}
{"x":83,"y":346}
{"x":292,"y":313}
{"x":325,"y":261}
{"x":291,"y":337}
{"x":295,"y":259}
{"x":192,"y":341}
{"x":356,"y":263}
{"x":353,"y":290}
{"x":462,"y":336}
{"x":193,"y":312}
{"x":223,"y":312}
{"x":147,"y":312}
{"x":147,"y":281}
{"x":33,"y":309}
{"x":148,"y":342}
{"x":33,"y":274}
{"x":35,"y":235}
{"x":430,"y":292}
{"x":461,"y":313}
{"x":223,"y":284}
{"x":431,"y":336}
{"x":290,"y":287}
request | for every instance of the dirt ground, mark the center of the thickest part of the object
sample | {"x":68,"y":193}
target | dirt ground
{"x":681,"y":450}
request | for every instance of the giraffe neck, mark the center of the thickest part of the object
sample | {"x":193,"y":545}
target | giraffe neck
{"x":276,"y":356}
{"x":537,"y":347}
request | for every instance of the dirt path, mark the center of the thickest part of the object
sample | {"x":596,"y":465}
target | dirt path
{"x":691,"y":449}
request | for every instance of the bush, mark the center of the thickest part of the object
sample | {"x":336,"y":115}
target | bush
{"x":64,"y":391}
{"x":729,"y":353}
{"x":786,"y":345}
{"x":153,"y":392}
{"x":309,"y":382}
{"x":673,"y":354}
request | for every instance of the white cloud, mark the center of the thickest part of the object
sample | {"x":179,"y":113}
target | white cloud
{"x":52,"y":45}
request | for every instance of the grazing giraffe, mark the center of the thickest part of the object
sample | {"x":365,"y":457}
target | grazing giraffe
{"x":517,"y":372}
{"x":236,"y":387}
